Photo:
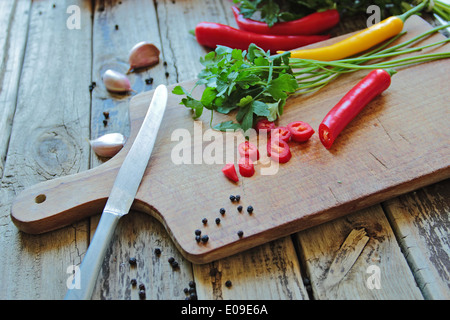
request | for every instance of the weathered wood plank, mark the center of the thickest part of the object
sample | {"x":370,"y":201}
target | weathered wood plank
{"x":14,"y":17}
{"x":114,"y":34}
{"x":379,"y":255}
{"x":48,"y":134}
{"x":176,"y":19}
{"x":422,"y":226}
{"x":267,"y":272}
{"x":118,"y":26}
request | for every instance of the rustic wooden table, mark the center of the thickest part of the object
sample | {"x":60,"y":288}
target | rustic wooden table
{"x":52,"y":51}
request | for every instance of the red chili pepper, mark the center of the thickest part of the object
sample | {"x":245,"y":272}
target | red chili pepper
{"x":352,"y":103}
{"x":282,"y":133}
{"x":266,"y":125}
{"x":230,"y":172}
{"x":212,"y":34}
{"x":314,"y":23}
{"x":246,"y":167}
{"x":279,"y":150}
{"x":300,"y":131}
{"x":249,"y":150}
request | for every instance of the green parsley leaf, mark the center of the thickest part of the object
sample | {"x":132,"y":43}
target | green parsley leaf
{"x":281,"y":86}
{"x":260,"y":108}
{"x":208,"y":97}
{"x":227,"y":125}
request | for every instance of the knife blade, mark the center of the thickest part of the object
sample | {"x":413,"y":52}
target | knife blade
{"x":121,"y":197}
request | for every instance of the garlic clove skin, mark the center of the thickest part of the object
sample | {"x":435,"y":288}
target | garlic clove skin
{"x":116,"y":82}
{"x":142,"y":55}
{"x":108,"y":145}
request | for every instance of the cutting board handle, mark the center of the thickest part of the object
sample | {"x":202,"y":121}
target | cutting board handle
{"x":52,"y":204}
{"x":56,"y":203}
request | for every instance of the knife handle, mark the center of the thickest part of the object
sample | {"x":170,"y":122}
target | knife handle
{"x":86,"y":277}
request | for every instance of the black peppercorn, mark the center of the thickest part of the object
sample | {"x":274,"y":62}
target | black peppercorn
{"x":149,"y":81}
{"x":186,"y":290}
{"x":217,"y":220}
{"x":105,"y":123}
{"x":232,"y":198}
{"x":133,"y":282}
{"x":239,"y":208}
{"x":191,"y":290}
{"x":106,"y":114}
{"x":192,"y":284}
{"x":171,"y":260}
{"x":240,"y":233}
{"x":198,"y":232}
{"x":197,"y":238}
{"x":174,"y":264}
{"x":249,"y":209}
{"x":193,"y":296}
{"x":142,"y":294}
{"x":228,"y":283}
{"x":167,"y":74}
{"x":237,"y":197}
{"x":205,"y":238}
{"x":132,"y":261}
{"x":117,"y":27}
{"x":142,"y":286}
{"x":204,"y":221}
{"x":157,"y":251}
{"x":222,"y":210}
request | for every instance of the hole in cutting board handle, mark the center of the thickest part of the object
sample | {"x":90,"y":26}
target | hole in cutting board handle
{"x":40,"y":198}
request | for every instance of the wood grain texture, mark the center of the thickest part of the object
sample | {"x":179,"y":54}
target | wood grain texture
{"x":370,"y":163}
{"x":14,"y":16}
{"x":421,"y":223}
{"x":324,"y":247}
{"x":268,"y":272}
{"x":47,"y":139}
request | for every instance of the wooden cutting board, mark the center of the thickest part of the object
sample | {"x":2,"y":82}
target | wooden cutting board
{"x":400,"y":142}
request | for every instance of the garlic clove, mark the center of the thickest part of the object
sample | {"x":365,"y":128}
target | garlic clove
{"x":108,"y":145}
{"x":116,"y":82}
{"x":142,"y":55}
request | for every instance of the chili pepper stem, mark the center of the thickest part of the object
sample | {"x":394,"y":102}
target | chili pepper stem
{"x":391,"y":72}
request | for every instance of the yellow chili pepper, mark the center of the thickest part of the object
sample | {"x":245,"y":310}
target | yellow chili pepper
{"x":359,"y":42}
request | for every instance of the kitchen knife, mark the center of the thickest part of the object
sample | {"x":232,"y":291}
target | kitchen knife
{"x":120,"y":199}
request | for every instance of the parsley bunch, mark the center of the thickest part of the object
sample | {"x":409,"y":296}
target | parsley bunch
{"x":251,"y":82}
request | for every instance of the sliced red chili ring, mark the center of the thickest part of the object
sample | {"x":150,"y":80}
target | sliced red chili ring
{"x":246,"y":167}
{"x":230,"y":172}
{"x":278,"y":150}
{"x":282,"y":133}
{"x":249,"y":150}
{"x":300,"y":131}
{"x":265,"y":124}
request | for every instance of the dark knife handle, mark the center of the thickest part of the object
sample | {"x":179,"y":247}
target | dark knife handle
{"x":85,"y":279}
